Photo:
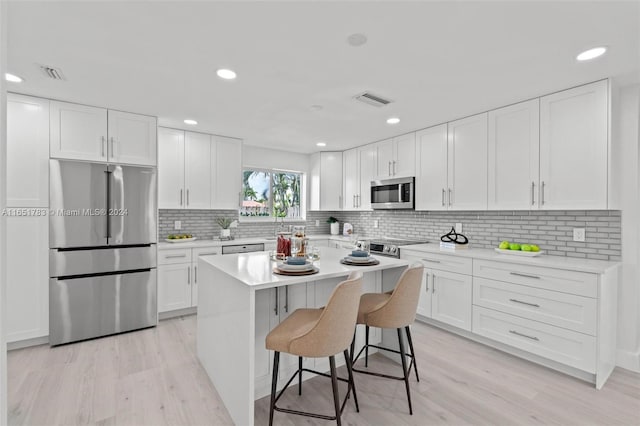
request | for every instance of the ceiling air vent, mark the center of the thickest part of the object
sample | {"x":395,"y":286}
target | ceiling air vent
{"x":371,"y":99}
{"x":51,"y":72}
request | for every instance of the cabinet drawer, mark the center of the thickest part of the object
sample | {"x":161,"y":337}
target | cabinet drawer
{"x":569,"y":311}
{"x":166,"y":257}
{"x":580,"y":283}
{"x":567,"y":347}
{"x":443,"y":262}
{"x":205,"y":251}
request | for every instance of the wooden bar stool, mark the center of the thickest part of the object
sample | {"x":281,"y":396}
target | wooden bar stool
{"x":318,"y":333}
{"x":394,"y":309}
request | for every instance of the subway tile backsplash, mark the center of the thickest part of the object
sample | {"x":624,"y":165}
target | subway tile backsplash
{"x":551,"y":230}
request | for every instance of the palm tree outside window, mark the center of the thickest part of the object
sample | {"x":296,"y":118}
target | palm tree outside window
{"x":271,"y":194}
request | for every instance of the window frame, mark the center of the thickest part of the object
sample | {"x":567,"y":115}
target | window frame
{"x":270,"y":218}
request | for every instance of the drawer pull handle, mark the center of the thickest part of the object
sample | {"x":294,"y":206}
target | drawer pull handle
{"x":524,"y":335}
{"x":433,"y":261}
{"x":173,"y":256}
{"x":525,"y":303}
{"x":524,"y":275}
{"x":208,"y":254}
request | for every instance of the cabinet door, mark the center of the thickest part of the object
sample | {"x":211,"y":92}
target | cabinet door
{"x":424,"y":303}
{"x":174,"y":286}
{"x":514,"y":157}
{"x":431,"y":168}
{"x":78,"y":132}
{"x":468,"y":163}
{"x":368,"y":170}
{"x":292,"y":297}
{"x":331,"y":181}
{"x":574,"y":148}
{"x":197,"y":170}
{"x":27,"y":151}
{"x":385,"y":158}
{"x":404,"y":155}
{"x":196,"y":253}
{"x":451,"y":298}
{"x":27,"y":277}
{"x":227,"y":173}
{"x":264,"y":308}
{"x":351,"y":179}
{"x":170,"y":168}
{"x":132,"y":138}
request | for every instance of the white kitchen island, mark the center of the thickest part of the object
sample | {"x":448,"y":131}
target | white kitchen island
{"x":241,"y":300}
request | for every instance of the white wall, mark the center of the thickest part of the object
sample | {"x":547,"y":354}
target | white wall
{"x":253,"y":156}
{"x":626,"y":197}
{"x":3,"y":162}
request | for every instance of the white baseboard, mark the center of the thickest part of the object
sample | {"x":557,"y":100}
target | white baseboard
{"x":628,"y":360}
{"x":177,"y":313}
{"x":36,"y":341}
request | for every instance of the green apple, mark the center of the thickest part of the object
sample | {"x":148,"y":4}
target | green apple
{"x":504,"y":245}
{"x":525,"y":247}
{"x":514,"y":246}
{"x":535,"y":248}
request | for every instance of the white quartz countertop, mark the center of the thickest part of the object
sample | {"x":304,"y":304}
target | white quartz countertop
{"x":256,"y":269}
{"x":556,"y":262}
{"x":163,"y":245}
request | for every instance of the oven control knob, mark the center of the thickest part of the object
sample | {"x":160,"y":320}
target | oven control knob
{"x":387,"y":249}
{"x":394,"y":249}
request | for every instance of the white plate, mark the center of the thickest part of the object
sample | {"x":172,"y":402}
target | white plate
{"x":519,"y":252}
{"x":359,"y":259}
{"x":180,"y":240}
{"x":286,"y":267}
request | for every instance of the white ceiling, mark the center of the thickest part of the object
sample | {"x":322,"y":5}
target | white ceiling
{"x":437,"y":60}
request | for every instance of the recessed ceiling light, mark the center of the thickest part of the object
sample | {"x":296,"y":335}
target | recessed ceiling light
{"x":591,"y":53}
{"x":321,"y":144}
{"x":226,"y":74}
{"x":12,"y":78}
{"x":393,"y":120}
{"x":192,"y":122}
{"x":357,"y":39}
{"x":317,"y":107}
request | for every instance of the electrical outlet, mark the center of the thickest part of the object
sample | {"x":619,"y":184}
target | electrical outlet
{"x":459,"y":228}
{"x":375,"y":223}
{"x":317,"y":222}
{"x":578,"y":234}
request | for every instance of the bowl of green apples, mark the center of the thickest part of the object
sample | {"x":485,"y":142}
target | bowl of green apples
{"x":518,"y":249}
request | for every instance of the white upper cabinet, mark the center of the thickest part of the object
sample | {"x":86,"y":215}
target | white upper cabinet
{"x":227,"y":173}
{"x":197,"y":170}
{"x":78,"y":132}
{"x":431,"y":169}
{"x":396,"y":157}
{"x":81,"y":132}
{"x":514,"y":153}
{"x":467,"y":171}
{"x":574,"y":148}
{"x":27,"y":151}
{"x":368,"y":156}
{"x":132,"y":138}
{"x":351,"y":173}
{"x":170,"y":168}
{"x":325,"y":181}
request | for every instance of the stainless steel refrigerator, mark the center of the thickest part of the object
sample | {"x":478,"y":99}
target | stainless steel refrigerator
{"x":102,"y":240}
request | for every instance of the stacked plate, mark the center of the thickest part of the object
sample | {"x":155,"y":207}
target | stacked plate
{"x":286,"y":267}
{"x":359,"y":259}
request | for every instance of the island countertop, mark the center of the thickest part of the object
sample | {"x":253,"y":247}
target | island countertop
{"x":256,"y":269}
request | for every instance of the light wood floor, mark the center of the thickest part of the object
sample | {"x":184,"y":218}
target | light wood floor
{"x":152,"y":377}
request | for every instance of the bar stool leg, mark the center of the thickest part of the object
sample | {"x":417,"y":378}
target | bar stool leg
{"x":404,"y":368}
{"x":300,"y":374}
{"x":353,"y":346}
{"x":366,"y":348}
{"x":334,"y":385}
{"x":274,"y":384}
{"x":352,"y":383}
{"x":413,"y":353}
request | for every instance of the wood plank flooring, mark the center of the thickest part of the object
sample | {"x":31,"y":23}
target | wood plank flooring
{"x":152,"y":377}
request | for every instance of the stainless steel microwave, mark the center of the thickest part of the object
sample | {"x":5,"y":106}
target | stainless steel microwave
{"x":393,"y":193}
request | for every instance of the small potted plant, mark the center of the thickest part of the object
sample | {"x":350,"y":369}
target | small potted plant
{"x":224,"y":223}
{"x":335,"y":225}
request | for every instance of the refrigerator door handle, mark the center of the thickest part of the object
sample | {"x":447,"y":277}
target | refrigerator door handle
{"x":108,"y":219}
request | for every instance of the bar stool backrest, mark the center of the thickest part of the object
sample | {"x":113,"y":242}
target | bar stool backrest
{"x":400,"y":309}
{"x":334,"y":330}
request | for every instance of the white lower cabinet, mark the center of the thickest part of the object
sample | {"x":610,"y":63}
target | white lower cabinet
{"x":27,"y":278}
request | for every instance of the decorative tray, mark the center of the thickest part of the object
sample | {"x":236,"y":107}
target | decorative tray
{"x":519,"y":253}
{"x":277,"y":271}
{"x":180,"y":240}
{"x":347,"y":261}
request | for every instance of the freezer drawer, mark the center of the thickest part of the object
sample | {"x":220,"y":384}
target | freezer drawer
{"x":83,"y":308}
{"x":63,"y":263}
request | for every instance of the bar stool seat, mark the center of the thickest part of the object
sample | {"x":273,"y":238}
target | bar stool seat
{"x":318,"y":333}
{"x":371,"y":302}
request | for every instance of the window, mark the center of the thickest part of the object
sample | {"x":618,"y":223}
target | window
{"x":271,"y":194}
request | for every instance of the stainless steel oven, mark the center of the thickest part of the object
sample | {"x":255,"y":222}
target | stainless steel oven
{"x":393,"y":193}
